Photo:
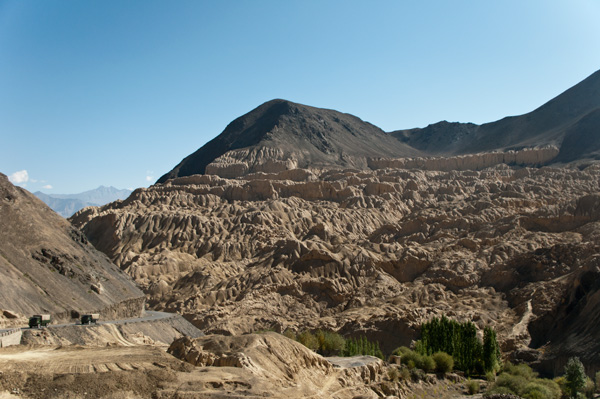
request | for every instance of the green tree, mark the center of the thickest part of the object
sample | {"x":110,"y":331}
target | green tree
{"x":491,"y":350}
{"x":574,"y":376}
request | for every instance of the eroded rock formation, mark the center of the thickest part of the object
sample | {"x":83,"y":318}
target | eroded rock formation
{"x":365,"y":252}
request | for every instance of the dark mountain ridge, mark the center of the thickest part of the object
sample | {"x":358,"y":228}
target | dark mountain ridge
{"x":291,"y":135}
{"x":307,"y":135}
{"x":569,"y":121}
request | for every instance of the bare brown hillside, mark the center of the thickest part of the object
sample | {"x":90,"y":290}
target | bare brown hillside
{"x":48,"y":266}
{"x":370,"y":252}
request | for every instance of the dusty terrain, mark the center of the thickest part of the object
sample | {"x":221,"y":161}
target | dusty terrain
{"x":249,"y":366}
{"x":370,"y":252}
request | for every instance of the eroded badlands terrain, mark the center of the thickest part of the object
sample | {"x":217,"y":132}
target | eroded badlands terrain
{"x":372,"y":252}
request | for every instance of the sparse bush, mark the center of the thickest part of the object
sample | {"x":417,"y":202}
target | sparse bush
{"x":289,"y":334}
{"x":427,"y":364}
{"x":589,"y":388}
{"x":417,"y":374}
{"x":400,"y":351}
{"x":404,"y":374}
{"x":597,"y":381}
{"x":514,"y":383}
{"x":473,"y":387}
{"x":522,"y":370}
{"x":521,"y":381}
{"x":330,"y":343}
{"x":541,"y":389}
{"x":444,"y":363}
{"x":490,"y":376}
{"x":393,"y":373}
{"x":309,"y":340}
{"x":411,"y":357}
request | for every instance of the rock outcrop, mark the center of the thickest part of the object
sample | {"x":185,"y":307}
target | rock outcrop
{"x":270,"y":362}
{"x":365,"y":252}
{"x":47,"y":266}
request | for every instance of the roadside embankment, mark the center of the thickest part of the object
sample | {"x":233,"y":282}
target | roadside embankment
{"x":159,"y":332}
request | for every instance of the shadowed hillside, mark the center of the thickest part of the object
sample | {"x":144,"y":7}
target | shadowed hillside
{"x":570,"y":121}
{"x":281,"y":135}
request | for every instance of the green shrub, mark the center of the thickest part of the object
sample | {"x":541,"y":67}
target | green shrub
{"x":473,"y":387}
{"x":411,"y":357}
{"x":289,"y":334}
{"x":444,"y":363}
{"x":522,"y":370}
{"x":541,"y":389}
{"x":514,"y":383}
{"x":589,"y":388}
{"x":330,"y":343}
{"x":597,"y":381}
{"x":522,"y":382}
{"x":309,"y":340}
{"x":427,"y":364}
{"x":400,"y":351}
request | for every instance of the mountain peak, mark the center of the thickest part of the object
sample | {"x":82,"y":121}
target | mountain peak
{"x":287,"y":135}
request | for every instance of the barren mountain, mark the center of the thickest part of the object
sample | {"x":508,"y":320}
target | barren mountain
{"x":570,"y":121}
{"x":281,"y":135}
{"x":371,"y":252}
{"x":48,"y":266}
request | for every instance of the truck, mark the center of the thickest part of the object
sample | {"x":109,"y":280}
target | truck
{"x":39,"y":320}
{"x":90,"y":318}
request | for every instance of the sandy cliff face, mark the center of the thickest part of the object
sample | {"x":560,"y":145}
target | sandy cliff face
{"x":366,"y":252}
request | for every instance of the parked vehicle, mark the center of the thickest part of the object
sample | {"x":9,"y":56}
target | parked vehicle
{"x":39,"y":320}
{"x":90,"y":318}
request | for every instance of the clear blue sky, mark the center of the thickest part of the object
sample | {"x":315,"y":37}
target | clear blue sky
{"x":118,"y":92}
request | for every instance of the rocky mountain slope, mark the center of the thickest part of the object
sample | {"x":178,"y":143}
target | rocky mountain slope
{"x":47,"y":266}
{"x":281,"y":135}
{"x":67,"y":204}
{"x":371,"y":252}
{"x":570,"y":121}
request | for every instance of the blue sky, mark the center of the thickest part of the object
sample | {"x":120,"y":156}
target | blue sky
{"x":118,"y":92}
